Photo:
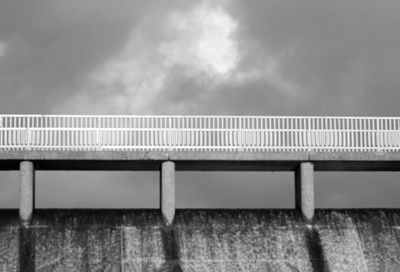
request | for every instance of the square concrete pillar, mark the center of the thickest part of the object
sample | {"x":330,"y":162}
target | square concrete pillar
{"x":167,"y":191}
{"x":27,"y":191}
{"x":304,"y":190}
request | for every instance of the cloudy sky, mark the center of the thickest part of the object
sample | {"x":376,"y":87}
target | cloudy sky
{"x":232,"y":57}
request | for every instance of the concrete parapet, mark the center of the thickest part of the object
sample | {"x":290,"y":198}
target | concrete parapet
{"x":304,"y":190}
{"x":27,"y":191}
{"x":167,"y":191}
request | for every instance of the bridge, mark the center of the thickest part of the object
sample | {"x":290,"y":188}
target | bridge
{"x":196,"y":143}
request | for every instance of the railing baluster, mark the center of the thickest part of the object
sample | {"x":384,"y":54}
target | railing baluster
{"x":373,"y":134}
{"x":394,"y":142}
{"x":365,"y":132}
{"x":392,"y":127}
{"x":369,"y":127}
{"x":351,"y":134}
{"x":363,"y":138}
{"x":389,"y":133}
{"x":397,"y":133}
{"x":386,"y":133}
{"x":380,"y":140}
{"x":378,"y":135}
{"x":334,"y":128}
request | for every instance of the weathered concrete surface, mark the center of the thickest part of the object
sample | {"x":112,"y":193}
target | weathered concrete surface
{"x":27,"y":191}
{"x":201,"y":161}
{"x":355,"y":161}
{"x":304,"y":190}
{"x":167,"y":192}
{"x":201,"y":240}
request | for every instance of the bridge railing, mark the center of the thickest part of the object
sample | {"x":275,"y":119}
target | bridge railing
{"x":199,"y":133}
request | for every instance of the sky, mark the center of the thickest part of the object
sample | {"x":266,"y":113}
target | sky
{"x":228,"y":57}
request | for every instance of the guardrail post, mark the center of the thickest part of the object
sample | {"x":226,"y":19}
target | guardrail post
{"x":27,"y":191}
{"x":169,"y":137}
{"x":167,"y":191}
{"x":28,"y":138}
{"x":304,"y":190}
{"x":308,"y":134}
{"x":98,"y":142}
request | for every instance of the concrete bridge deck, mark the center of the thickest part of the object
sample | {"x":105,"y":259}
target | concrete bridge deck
{"x":201,"y":161}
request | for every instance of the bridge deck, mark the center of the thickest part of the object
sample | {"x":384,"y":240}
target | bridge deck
{"x":202,"y":161}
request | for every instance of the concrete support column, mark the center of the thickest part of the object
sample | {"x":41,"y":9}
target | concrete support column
{"x":304,"y":190}
{"x":27,"y":191}
{"x":167,"y":191}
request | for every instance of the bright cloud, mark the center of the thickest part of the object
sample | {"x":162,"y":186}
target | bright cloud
{"x":199,"y":43}
{"x":202,"y":39}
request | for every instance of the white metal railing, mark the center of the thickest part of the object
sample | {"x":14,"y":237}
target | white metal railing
{"x":199,"y":133}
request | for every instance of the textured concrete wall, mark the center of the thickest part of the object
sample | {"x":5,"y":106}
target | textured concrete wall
{"x":304,"y":190}
{"x":167,"y":191}
{"x":27,"y":191}
{"x":202,"y":240}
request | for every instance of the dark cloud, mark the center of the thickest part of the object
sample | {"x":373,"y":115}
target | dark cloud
{"x":52,"y":46}
{"x":343,"y":52}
